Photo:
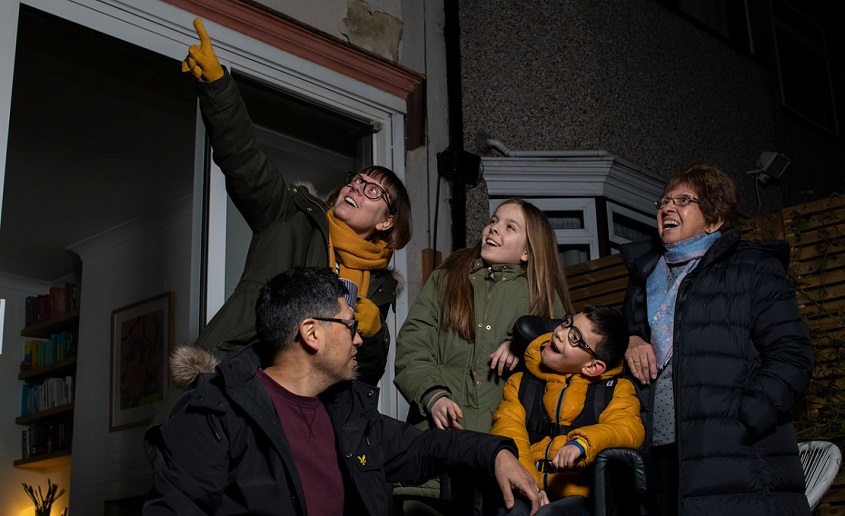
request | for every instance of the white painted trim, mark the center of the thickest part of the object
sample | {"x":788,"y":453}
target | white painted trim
{"x":615,"y":208}
{"x":215,"y":276}
{"x":588,"y":235}
{"x":593,"y":174}
{"x":21,"y":284}
{"x":2,"y":322}
{"x":197,"y":215}
{"x":8,"y":38}
{"x":165,"y":216}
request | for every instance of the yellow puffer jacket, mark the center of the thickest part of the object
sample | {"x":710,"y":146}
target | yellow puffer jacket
{"x":619,"y":425}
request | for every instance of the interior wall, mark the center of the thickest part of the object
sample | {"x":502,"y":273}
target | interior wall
{"x":13,"y":500}
{"x":134,"y":262}
{"x":114,"y":146}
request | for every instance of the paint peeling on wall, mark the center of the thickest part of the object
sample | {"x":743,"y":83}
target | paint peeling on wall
{"x":372,"y":30}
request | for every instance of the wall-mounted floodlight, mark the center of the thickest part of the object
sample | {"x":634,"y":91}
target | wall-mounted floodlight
{"x":770,"y":165}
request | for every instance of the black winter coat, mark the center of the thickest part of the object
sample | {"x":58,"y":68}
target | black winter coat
{"x":741,"y":360}
{"x":224,"y":451}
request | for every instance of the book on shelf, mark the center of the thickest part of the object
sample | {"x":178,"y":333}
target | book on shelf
{"x":46,"y":394}
{"x":61,"y":345}
{"x":58,"y":302}
{"x":25,"y":449}
{"x":44,"y":438}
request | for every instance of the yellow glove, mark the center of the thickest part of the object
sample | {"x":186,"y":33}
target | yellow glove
{"x":368,"y":316}
{"x":201,"y":61}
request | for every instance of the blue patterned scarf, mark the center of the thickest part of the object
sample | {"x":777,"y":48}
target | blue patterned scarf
{"x":662,"y":289}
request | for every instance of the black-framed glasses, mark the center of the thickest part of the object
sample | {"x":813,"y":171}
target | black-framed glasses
{"x":680,"y":200}
{"x":352,"y":324}
{"x":575,"y":337}
{"x":371,"y":190}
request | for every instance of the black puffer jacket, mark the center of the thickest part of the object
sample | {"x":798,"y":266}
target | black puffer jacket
{"x":224,"y":451}
{"x":742,"y":359}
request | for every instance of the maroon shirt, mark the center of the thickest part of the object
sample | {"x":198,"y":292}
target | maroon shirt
{"x":309,"y":431}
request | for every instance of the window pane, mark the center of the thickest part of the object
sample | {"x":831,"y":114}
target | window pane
{"x":803,"y":68}
{"x":631,"y":229}
{"x":574,"y":254}
{"x":565,"y":219}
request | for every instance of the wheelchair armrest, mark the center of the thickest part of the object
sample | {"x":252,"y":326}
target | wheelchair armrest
{"x":628,"y":456}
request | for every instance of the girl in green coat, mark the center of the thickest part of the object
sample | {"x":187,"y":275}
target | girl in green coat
{"x":453,"y":352}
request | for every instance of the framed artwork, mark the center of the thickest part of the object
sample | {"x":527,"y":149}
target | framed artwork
{"x":141,"y":342}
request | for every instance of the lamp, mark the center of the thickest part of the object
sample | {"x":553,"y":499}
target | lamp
{"x":770,"y":165}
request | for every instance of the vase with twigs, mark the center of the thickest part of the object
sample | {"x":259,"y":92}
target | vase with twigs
{"x":43,"y":502}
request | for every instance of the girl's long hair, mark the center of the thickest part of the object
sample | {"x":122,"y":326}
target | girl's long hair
{"x":543,"y":271}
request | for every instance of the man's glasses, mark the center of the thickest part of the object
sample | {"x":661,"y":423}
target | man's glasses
{"x":371,"y":190}
{"x":681,"y":200}
{"x":352,"y":324}
{"x":576,"y":339}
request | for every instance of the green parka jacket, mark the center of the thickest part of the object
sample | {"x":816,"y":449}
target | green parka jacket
{"x":430,"y":358}
{"x":289,"y":228}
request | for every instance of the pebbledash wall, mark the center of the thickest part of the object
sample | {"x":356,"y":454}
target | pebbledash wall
{"x":636,"y":79}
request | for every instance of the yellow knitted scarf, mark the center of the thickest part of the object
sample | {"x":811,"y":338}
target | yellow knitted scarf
{"x":353,"y":256}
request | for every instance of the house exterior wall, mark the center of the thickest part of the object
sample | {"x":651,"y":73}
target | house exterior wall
{"x":636,"y":79}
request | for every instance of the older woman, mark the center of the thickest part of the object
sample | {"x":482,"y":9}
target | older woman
{"x":720,"y":355}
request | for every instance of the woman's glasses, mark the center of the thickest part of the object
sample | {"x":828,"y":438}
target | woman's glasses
{"x":576,"y":339}
{"x":681,"y":200}
{"x":371,"y":190}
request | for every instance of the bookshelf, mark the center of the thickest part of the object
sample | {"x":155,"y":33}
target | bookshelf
{"x":44,"y":461}
{"x":48,"y":372}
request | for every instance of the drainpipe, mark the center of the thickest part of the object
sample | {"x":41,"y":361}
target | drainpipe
{"x":454,"y":164}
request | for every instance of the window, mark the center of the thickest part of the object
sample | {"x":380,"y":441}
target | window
{"x":625,"y":225}
{"x":2,"y":322}
{"x":802,"y":65}
{"x":594,"y":200}
{"x":574,"y":224}
{"x":727,"y":19}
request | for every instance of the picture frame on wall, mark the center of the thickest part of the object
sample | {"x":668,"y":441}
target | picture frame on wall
{"x":141,"y":342}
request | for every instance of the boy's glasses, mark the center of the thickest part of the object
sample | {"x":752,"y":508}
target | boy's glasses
{"x":575,"y":337}
{"x":371,"y":190}
{"x":352,"y":324}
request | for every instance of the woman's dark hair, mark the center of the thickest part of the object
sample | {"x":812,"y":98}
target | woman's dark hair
{"x":610,"y":324}
{"x":399,"y":234}
{"x":287,"y":299}
{"x":716,"y":191}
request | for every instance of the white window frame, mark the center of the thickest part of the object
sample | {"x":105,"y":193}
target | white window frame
{"x":639,"y":217}
{"x":566,"y":178}
{"x":588,"y":235}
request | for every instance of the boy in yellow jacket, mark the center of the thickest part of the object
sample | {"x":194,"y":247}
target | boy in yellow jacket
{"x":585,"y":350}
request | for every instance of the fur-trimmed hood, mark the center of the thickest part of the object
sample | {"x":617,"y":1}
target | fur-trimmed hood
{"x":188,"y":362}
